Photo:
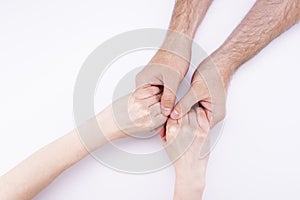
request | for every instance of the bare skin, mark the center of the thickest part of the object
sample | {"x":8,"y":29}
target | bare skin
{"x":37,"y":171}
{"x":40,"y":169}
{"x":264,"y":22}
{"x":190,"y":168}
{"x":167,"y":68}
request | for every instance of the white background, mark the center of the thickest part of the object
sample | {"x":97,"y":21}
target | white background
{"x":42,"y":47}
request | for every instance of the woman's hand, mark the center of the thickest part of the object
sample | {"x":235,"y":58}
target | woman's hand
{"x":135,"y":113}
{"x":185,"y":138}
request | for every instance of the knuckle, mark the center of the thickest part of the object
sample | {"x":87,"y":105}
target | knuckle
{"x":163,"y":120}
{"x":143,"y":122}
{"x":138,"y":109}
{"x":133,"y":98}
{"x":145,"y":112}
{"x":197,"y":86}
{"x":152,"y":90}
{"x":172,"y":129}
{"x":137,"y":106}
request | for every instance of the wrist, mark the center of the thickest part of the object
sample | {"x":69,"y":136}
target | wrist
{"x":190,"y":178}
{"x":171,"y":60}
{"x":179,"y":44}
{"x":187,"y":190}
{"x":225,"y":59}
{"x":190,"y":186}
{"x":224,"y":64}
{"x":181,"y":29}
{"x":107,"y":124}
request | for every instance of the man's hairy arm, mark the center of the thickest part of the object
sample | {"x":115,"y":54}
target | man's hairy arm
{"x":265,"y":21}
{"x":171,"y":62}
{"x":187,"y":15}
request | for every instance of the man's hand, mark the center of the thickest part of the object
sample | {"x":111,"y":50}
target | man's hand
{"x":184,"y":142}
{"x":170,"y":64}
{"x":263,"y":23}
{"x":208,"y":88}
{"x":166,"y":70}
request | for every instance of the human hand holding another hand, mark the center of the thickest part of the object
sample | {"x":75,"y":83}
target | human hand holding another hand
{"x":208,"y":88}
{"x":167,"y":69}
{"x":135,"y":113}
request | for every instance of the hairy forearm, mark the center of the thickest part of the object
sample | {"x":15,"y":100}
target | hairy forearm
{"x":187,"y":16}
{"x":265,"y":21}
{"x":176,"y":49}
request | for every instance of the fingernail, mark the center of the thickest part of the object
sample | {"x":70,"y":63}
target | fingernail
{"x":174,"y":114}
{"x":166,"y":111}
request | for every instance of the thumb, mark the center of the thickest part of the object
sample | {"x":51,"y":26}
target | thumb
{"x":168,"y":98}
{"x":185,"y":104}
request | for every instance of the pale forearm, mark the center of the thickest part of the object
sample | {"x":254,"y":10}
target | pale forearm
{"x":41,"y":168}
{"x":265,"y":21}
{"x":188,"y":191}
{"x":190,"y":181}
{"x":37,"y":171}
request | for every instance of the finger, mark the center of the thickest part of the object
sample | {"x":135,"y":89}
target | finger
{"x":151,"y":100}
{"x":172,"y":128}
{"x":155,"y":109}
{"x":171,"y":84}
{"x":171,"y":122}
{"x":185,"y":119}
{"x":160,"y":131}
{"x":167,"y":100}
{"x":202,"y":119}
{"x":193,"y":119}
{"x":156,"y":117}
{"x":159,"y":120}
{"x":146,"y":92}
{"x":171,"y":133}
{"x":185,"y":104}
